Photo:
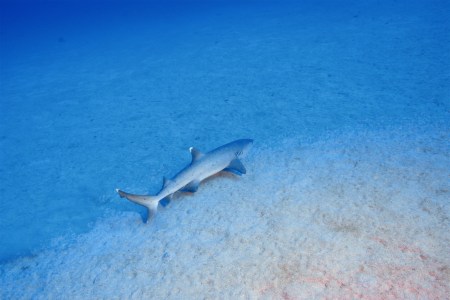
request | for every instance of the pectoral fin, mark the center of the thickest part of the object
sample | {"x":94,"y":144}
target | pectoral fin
{"x":232,"y":171}
{"x":236,"y":167}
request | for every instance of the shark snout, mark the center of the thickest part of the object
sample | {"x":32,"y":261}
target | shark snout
{"x":245,"y":144}
{"x":249,"y":143}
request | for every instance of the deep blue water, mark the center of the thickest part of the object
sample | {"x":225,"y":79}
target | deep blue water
{"x":97,"y":95}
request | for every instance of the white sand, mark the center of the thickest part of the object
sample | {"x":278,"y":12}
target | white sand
{"x":347,"y":194}
{"x":357,"y":216}
{"x":121,"y":99}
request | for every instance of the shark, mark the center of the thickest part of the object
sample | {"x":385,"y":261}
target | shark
{"x":203,"y":165}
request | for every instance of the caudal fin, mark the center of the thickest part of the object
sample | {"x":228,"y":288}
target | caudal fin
{"x":150,"y":202}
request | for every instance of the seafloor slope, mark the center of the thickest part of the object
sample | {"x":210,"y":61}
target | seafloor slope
{"x":348,"y":184}
{"x":359,"y":215}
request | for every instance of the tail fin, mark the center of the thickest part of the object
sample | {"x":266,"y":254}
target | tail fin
{"x":150,"y":202}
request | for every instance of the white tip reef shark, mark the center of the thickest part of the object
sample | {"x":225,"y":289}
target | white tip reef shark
{"x":203,"y":165}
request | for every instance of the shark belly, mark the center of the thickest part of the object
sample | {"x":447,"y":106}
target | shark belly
{"x":196,"y":172}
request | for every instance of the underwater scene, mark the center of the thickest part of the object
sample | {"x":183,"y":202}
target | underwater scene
{"x":225,"y":149}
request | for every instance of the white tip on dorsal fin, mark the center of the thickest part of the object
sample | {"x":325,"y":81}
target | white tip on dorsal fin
{"x":196,"y":155}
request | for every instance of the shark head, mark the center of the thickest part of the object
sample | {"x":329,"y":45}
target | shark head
{"x":241,"y":147}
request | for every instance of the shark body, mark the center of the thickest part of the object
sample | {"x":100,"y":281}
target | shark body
{"x":203,"y":165}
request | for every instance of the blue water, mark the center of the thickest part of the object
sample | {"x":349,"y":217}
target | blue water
{"x":99,"y":95}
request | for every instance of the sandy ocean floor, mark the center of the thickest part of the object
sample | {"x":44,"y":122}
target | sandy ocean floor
{"x":347,"y":191}
{"x":356,"y":216}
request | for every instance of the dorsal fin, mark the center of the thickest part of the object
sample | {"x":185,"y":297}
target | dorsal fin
{"x":196,"y":154}
{"x":165,"y":182}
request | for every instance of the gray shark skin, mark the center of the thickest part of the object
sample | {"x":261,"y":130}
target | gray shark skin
{"x":203,"y":165}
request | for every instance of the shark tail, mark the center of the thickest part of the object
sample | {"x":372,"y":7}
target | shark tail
{"x":150,"y":202}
